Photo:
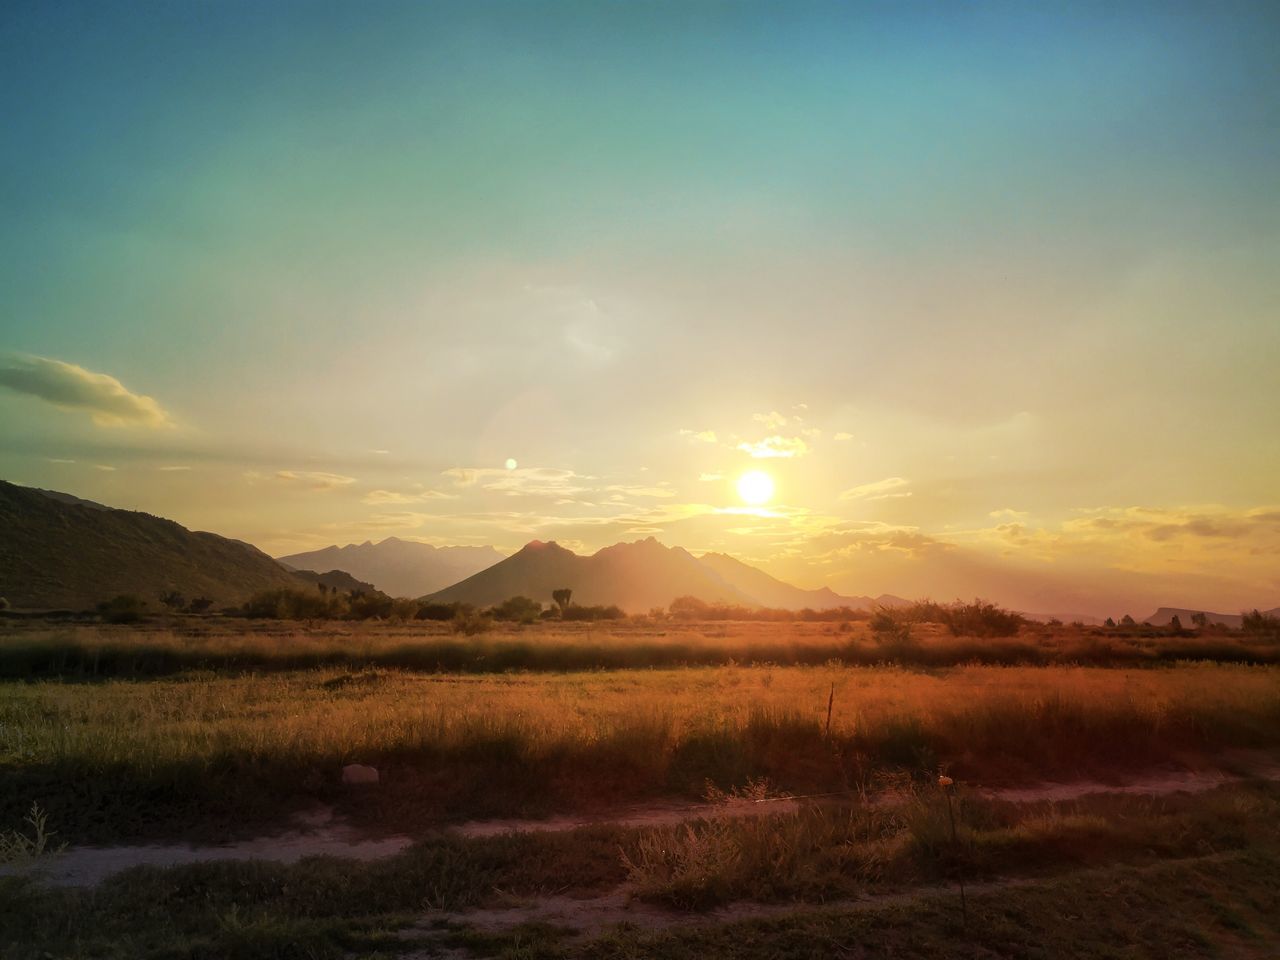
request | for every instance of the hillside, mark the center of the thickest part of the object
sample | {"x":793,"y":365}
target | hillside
{"x":771,"y":592}
{"x":634,"y":576}
{"x":400,"y":568}
{"x":57,"y":552}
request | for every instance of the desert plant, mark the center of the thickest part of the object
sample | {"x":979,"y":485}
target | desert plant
{"x":562,"y":598}
{"x":17,"y":847}
{"x":173,"y":600}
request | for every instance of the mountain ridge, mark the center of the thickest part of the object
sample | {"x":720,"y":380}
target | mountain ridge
{"x":399,"y":568}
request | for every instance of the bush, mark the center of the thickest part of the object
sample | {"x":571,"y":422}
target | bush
{"x":577,"y":612}
{"x":981,"y":619}
{"x":4,"y":604}
{"x":287,"y":604}
{"x":431,"y":610}
{"x":125,"y":608}
{"x":199,"y":605}
{"x":470,"y":622}
{"x":517,"y":609}
{"x":1260,"y":623}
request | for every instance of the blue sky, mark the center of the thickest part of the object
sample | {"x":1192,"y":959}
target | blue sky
{"x":1023,"y":257}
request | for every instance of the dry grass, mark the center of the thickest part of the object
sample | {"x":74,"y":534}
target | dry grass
{"x":130,"y":758}
{"x":34,"y":649}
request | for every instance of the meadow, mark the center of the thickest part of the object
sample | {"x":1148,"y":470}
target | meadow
{"x":144,"y":749}
{"x":206,"y":729}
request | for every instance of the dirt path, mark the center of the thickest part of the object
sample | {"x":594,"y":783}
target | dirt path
{"x":318,"y":833}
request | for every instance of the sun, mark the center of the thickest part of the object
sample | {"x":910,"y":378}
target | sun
{"x":755,"y":487}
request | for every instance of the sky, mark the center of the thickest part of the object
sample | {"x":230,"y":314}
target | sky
{"x":990,"y":291}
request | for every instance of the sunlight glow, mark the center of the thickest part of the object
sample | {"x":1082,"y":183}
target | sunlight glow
{"x":755,"y":487}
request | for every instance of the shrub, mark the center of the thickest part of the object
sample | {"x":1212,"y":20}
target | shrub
{"x":199,"y":605}
{"x":578,"y":612}
{"x":470,"y":622}
{"x":517,"y":609}
{"x":1257,"y":622}
{"x":287,"y":604}
{"x":434,"y":610}
{"x":125,"y":608}
{"x":4,"y":604}
{"x":981,"y":619}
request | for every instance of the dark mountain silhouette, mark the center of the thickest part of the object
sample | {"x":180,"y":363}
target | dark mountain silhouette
{"x":769,"y":591}
{"x":634,"y":576}
{"x":59,"y":552}
{"x":338,"y":580}
{"x":638,"y":577}
{"x":400,"y":568}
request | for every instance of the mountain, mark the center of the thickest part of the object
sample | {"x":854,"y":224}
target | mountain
{"x":338,"y":580}
{"x":400,"y":568}
{"x":771,"y":592}
{"x":60,"y":552}
{"x":634,"y":576}
{"x":1162,"y":616}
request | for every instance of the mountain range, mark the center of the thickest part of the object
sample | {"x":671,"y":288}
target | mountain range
{"x":400,"y":568}
{"x":637,"y":577}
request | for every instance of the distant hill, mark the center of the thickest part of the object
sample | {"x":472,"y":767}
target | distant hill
{"x":634,"y":576}
{"x":59,"y":552}
{"x":638,"y":577}
{"x":1162,"y":616}
{"x":338,"y":580}
{"x":769,"y":591}
{"x":400,"y":568}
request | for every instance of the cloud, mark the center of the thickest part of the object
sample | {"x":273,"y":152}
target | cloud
{"x":842,"y":435}
{"x":71,"y":387}
{"x":702,"y":436}
{"x":523,"y":481}
{"x":104,"y":467}
{"x":174,"y":469}
{"x":1009,"y":514}
{"x":310,"y":479}
{"x":710,"y":477}
{"x":886,"y":489}
{"x":381,"y":497}
{"x":775,"y":446}
{"x":773,"y":420}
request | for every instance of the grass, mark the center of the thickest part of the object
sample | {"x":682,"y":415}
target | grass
{"x":326,"y":907}
{"x":30,"y":649}
{"x":210,"y":754}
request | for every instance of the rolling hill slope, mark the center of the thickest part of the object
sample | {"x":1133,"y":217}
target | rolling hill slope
{"x":58,"y":552}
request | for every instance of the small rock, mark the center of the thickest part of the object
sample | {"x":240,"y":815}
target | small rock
{"x":358,"y":773}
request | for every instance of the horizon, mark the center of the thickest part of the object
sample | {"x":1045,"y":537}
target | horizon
{"x":926,"y":301}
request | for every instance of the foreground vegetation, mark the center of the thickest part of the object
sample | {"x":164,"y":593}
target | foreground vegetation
{"x":212,"y":753}
{"x":1214,"y":859}
{"x":31,"y":650}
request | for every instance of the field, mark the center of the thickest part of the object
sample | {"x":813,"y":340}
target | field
{"x":210,"y":730}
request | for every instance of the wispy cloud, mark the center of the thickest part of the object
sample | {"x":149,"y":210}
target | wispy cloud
{"x":702,"y":436}
{"x":383,"y":497}
{"x":307,"y":479}
{"x":886,"y":489}
{"x":70,"y":387}
{"x":775,"y":446}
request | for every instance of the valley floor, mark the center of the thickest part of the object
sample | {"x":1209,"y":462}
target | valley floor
{"x":680,"y":811}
